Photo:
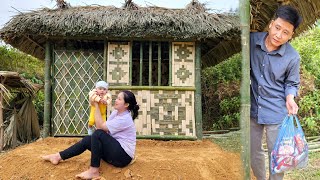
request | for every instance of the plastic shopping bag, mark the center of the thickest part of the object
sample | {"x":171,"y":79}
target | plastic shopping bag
{"x":291,"y":149}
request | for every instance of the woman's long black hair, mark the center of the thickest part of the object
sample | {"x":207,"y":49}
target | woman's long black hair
{"x":133,"y":107}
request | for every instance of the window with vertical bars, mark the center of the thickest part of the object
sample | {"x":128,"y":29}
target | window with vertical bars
{"x":150,"y":63}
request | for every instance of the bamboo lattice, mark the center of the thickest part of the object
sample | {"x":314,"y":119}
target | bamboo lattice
{"x":74,"y":75}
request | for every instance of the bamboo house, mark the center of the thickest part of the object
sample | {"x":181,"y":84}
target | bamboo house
{"x":153,"y":51}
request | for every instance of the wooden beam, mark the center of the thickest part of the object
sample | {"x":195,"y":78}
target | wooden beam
{"x":53,"y":38}
{"x":34,"y":42}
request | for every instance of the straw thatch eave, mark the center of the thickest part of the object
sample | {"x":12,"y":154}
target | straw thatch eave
{"x":29,"y":32}
{"x":13,"y":80}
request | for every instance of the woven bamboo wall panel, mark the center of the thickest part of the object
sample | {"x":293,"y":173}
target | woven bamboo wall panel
{"x":74,"y":75}
{"x":164,"y":112}
{"x":118,"y":63}
{"x":183,"y":64}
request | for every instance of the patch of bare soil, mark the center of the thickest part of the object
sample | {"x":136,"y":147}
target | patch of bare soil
{"x":155,"y":160}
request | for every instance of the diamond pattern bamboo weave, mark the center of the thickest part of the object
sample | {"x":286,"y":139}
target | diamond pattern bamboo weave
{"x":74,"y":75}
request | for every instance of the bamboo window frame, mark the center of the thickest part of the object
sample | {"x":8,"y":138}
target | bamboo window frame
{"x":150,"y":60}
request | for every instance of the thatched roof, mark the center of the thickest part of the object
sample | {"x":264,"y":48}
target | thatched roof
{"x":218,"y":33}
{"x":29,"y":31}
{"x":12,"y":80}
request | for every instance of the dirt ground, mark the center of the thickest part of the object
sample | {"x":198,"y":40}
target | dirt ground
{"x":155,"y":160}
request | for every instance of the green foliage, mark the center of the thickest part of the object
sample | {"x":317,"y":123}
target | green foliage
{"x":230,"y":109}
{"x":28,"y":67}
{"x":310,"y":112}
{"x":225,"y":71}
{"x":221,"y":98}
{"x":14,"y":60}
{"x":308,"y":46}
{"x":230,"y":104}
{"x":39,"y":105}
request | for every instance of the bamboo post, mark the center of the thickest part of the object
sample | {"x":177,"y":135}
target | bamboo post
{"x":141,"y":64}
{"x":150,"y":63}
{"x":47,"y":91}
{"x":198,"y":107}
{"x":170,"y":62}
{"x":245,"y":87}
{"x":105,"y":60}
{"x":1,"y":120}
{"x":166,"y":137}
{"x":159,"y":63}
{"x":130,"y":63}
{"x":14,"y":136}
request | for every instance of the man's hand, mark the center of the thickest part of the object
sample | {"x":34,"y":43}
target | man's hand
{"x":292,"y":106}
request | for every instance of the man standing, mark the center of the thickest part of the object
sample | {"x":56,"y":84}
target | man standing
{"x":274,"y":75}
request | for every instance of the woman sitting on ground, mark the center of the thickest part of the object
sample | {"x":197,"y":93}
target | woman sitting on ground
{"x":114,"y":141}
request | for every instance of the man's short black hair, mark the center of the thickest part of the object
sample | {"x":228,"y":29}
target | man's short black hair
{"x":289,"y":14}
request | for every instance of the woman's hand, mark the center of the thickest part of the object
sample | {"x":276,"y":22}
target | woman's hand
{"x":102,"y":101}
{"x":100,"y":124}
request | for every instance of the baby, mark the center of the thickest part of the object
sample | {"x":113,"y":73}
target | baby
{"x":99,"y":94}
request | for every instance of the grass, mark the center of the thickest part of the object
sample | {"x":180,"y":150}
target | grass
{"x":229,"y":142}
{"x":311,"y":172}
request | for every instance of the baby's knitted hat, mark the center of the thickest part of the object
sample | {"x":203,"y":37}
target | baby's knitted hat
{"x":102,"y":84}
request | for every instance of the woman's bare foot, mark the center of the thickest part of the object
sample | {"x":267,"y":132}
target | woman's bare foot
{"x":53,"y":158}
{"x":134,"y":159}
{"x":92,"y":172}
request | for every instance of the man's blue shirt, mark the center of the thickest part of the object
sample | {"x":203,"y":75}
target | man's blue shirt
{"x":273,"y":75}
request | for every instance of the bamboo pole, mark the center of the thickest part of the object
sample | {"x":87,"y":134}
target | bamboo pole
{"x":166,"y":88}
{"x":150,"y":63}
{"x":156,"y":137}
{"x":130,"y":63}
{"x":245,"y":87}
{"x":159,"y":63}
{"x":198,"y":107}
{"x":47,"y":91}
{"x":313,"y":138}
{"x":141,"y":64}
{"x":1,"y":120}
{"x":105,"y":60}
{"x":170,"y":62}
{"x":166,"y":137}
